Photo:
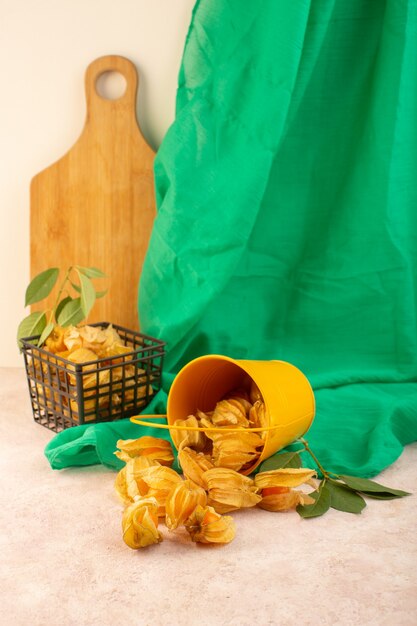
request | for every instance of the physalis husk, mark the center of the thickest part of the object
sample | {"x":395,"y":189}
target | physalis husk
{"x":230,"y":412}
{"x":181,"y":502}
{"x":127,"y":483}
{"x":140,"y":523}
{"x":189,"y":438}
{"x":194,"y":464}
{"x":55,"y":342}
{"x":276,"y":490}
{"x":157,"y":481}
{"x":152,"y":447}
{"x":228,"y":490}
{"x":207,"y":526}
{"x":236,"y":449}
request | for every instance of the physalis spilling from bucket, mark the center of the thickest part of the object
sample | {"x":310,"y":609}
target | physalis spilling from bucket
{"x":215,"y":450}
{"x":226,"y":440}
{"x":197,"y":501}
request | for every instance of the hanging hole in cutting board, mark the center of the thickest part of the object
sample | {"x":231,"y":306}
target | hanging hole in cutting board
{"x":111,"y":85}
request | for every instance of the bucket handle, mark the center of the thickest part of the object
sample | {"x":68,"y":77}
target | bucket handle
{"x":141,"y":421}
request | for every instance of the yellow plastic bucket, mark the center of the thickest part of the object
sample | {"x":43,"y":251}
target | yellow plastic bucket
{"x":287,"y":394}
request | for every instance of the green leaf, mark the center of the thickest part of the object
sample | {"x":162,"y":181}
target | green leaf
{"x":41,"y":286}
{"x":88,"y":294}
{"x":91,"y":272}
{"x":381,"y":495}
{"x":279,"y":461}
{"x":371,"y":488}
{"x":344,"y":499}
{"x":32,"y":325}
{"x":71,"y":313}
{"x":99,"y":294}
{"x":45,"y":334}
{"x":322,"y":502}
{"x":61,"y":305}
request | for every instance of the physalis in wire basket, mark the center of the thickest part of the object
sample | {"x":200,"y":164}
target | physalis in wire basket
{"x":212,"y":484}
{"x":57,"y":330}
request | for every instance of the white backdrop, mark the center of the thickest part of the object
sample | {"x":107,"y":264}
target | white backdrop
{"x":45,"y":47}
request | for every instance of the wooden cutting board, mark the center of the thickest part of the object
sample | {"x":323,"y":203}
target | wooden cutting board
{"x":96,"y":206}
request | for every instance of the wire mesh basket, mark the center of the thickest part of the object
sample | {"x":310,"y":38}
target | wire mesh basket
{"x":65,"y":394}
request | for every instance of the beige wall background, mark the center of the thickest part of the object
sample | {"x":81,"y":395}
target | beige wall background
{"x":45,"y":47}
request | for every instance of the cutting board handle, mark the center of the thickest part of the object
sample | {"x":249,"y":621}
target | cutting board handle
{"x":110,"y":63}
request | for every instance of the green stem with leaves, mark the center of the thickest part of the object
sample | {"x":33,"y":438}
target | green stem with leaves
{"x":307,"y":448}
{"x":61,"y":289}
{"x":340,"y":492}
{"x":66,"y":310}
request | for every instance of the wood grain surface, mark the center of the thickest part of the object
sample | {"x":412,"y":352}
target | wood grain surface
{"x":95,"y":206}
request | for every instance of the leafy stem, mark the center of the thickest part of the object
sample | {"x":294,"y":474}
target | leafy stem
{"x":67,"y":310}
{"x":307,"y":448}
{"x":340,"y":492}
{"x":61,"y":289}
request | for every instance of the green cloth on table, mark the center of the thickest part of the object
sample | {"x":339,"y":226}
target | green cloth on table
{"x":287,"y":222}
{"x":91,"y":444}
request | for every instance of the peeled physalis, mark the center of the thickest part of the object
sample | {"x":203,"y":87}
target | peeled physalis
{"x":157,"y":481}
{"x":283,"y":499}
{"x":257,"y":417}
{"x":227,"y":440}
{"x":55,"y":342}
{"x":207,"y":526}
{"x":140,"y":523}
{"x":194,"y":464}
{"x":276,"y":490}
{"x":236,"y":449}
{"x":127,"y":483}
{"x":153,"y":448}
{"x":230,"y":413}
{"x":142,"y":477}
{"x":189,"y":438}
{"x":228,"y":490}
{"x":181,"y":502}
{"x":288,"y":477}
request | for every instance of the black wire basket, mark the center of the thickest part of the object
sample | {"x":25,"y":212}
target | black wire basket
{"x":65,"y":394}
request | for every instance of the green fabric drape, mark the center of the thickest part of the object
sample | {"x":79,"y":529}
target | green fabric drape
{"x":287,"y":211}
